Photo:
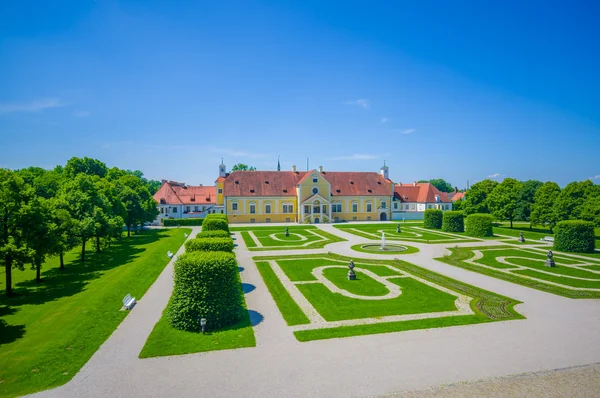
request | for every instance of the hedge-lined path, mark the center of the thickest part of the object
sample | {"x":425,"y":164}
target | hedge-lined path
{"x":558,"y":333}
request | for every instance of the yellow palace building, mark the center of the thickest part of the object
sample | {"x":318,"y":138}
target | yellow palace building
{"x":314,"y":196}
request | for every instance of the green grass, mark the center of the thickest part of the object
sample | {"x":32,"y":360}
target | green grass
{"x":416,"y":297}
{"x":301,"y":237}
{"x":535,"y":233}
{"x":409,"y":233}
{"x":459,"y":255}
{"x":49,"y":331}
{"x":410,"y":250}
{"x":292,"y":314}
{"x":165,"y":340}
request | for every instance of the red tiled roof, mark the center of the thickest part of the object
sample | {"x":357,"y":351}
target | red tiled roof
{"x":262,"y":183}
{"x":357,"y":183}
{"x":423,"y":192}
{"x":179,"y":193}
{"x":457,"y":196}
{"x":220,"y":179}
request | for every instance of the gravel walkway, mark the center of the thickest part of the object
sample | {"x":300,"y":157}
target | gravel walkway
{"x":558,"y":333}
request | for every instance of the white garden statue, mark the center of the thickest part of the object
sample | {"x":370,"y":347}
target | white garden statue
{"x":383,"y":241}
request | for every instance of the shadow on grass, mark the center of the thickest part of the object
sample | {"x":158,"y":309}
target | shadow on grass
{"x":57,"y":283}
{"x":9,"y":333}
{"x":255,"y":317}
{"x":247,"y":287}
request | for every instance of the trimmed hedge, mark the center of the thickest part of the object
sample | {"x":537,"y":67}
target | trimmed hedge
{"x":207,"y":286}
{"x":213,"y":234}
{"x":479,"y":225}
{"x":433,"y":219}
{"x":453,"y":221}
{"x":217,"y":215}
{"x":215,"y":224}
{"x":193,"y":222}
{"x":574,"y":236}
{"x":209,"y":245}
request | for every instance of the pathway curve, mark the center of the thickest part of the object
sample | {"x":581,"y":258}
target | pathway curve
{"x":558,"y":333}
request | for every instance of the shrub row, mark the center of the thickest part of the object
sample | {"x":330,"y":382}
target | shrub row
{"x":215,"y":224}
{"x":479,"y":225}
{"x":574,"y":236}
{"x":206,"y":286}
{"x":209,"y":244}
{"x":433,"y":219}
{"x":193,"y":222}
{"x":217,"y":215}
{"x":213,"y":234}
{"x":453,"y":221}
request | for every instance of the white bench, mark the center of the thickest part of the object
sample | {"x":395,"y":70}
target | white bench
{"x":548,"y":239}
{"x":128,"y":302}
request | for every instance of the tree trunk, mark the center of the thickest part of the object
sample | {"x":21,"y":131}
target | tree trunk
{"x":97,"y":244}
{"x":8,"y":269}
{"x":62,"y":260}
{"x":128,"y":230}
{"x":511,"y":223}
{"x":83,"y":249}
{"x":38,"y":267}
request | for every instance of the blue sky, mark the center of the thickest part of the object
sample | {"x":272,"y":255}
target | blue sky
{"x":460,"y":90}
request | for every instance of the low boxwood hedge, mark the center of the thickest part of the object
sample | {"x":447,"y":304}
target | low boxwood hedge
{"x":206,"y":286}
{"x":433,"y":219}
{"x":220,"y":216}
{"x":192,"y":222}
{"x":209,"y":245}
{"x":574,"y":236}
{"x":215,"y":224}
{"x":213,"y":234}
{"x":479,"y":225}
{"x":453,"y":221}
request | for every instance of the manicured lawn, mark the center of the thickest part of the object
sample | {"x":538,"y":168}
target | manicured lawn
{"x":417,"y":296}
{"x":410,"y":250}
{"x":535,"y":233}
{"x":48,"y":332}
{"x":166,"y":340}
{"x":409,"y":233}
{"x":531,"y":264}
{"x":273,"y":238}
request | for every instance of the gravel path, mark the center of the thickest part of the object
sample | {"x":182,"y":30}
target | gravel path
{"x":558,"y":333}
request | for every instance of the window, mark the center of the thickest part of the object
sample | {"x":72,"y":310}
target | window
{"x":324,"y":208}
{"x":336,"y":207}
{"x":252,"y":208}
{"x":267,"y":208}
{"x":163,"y":202}
{"x":336,"y":219}
{"x":306,"y":209}
{"x":413,"y":206}
{"x":315,"y":190}
{"x":369,"y":207}
{"x":221,"y":211}
{"x":174,"y":209}
{"x":315,"y":180}
{"x":234,"y":206}
{"x":354,"y":218}
{"x":288,"y":208}
{"x":287,"y":219}
{"x":252,"y":220}
{"x":355,"y":208}
{"x":220,"y":190}
{"x":268,"y":220}
{"x":368,"y":218}
{"x":187,"y":208}
{"x":316,"y":209}
{"x":162,"y":210}
{"x":383,"y":204}
{"x":195,"y":208}
{"x":395,"y":206}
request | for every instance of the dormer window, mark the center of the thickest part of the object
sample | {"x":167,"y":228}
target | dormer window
{"x":315,"y":179}
{"x":252,"y":191}
{"x":351,"y":182}
{"x":266,"y":182}
{"x":369,"y":191}
{"x":338,"y":191}
{"x":379,"y":182}
{"x":237,"y":182}
{"x":285,"y":191}
{"x":163,"y":202}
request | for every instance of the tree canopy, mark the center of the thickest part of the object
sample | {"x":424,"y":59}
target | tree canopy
{"x":440,"y":184}
{"x":475,"y":200}
{"x":503,"y":199}
{"x":542,"y":209}
{"x":243,"y":167}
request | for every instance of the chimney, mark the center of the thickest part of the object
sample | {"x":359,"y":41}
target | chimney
{"x":455,"y":189}
{"x":415,"y":183}
{"x":294,"y":168}
{"x":320,"y":169}
{"x":400,"y":183}
{"x":199,"y":185}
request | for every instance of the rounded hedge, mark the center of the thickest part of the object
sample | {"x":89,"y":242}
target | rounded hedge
{"x":479,"y":225}
{"x":167,"y":222}
{"x":574,"y":236}
{"x":207,"y":286}
{"x":453,"y":221}
{"x":217,"y":215}
{"x":209,"y":245}
{"x":213,"y":234}
{"x":215,"y":224}
{"x":433,"y":219}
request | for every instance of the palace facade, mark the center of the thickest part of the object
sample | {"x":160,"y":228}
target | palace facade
{"x":310,"y":197}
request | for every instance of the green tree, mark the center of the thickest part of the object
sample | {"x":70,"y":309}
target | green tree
{"x":15,"y":196}
{"x":89,"y":166}
{"x":65,"y":230}
{"x":590,"y":210}
{"x":542,"y":209}
{"x":503,"y":200}
{"x":138,"y":204}
{"x":458,"y":205}
{"x":569,"y":204}
{"x":526,"y":198}
{"x":475,"y":200}
{"x":440,"y":184}
{"x":242,"y":167}
{"x":41,"y":233}
{"x":45,"y":182}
